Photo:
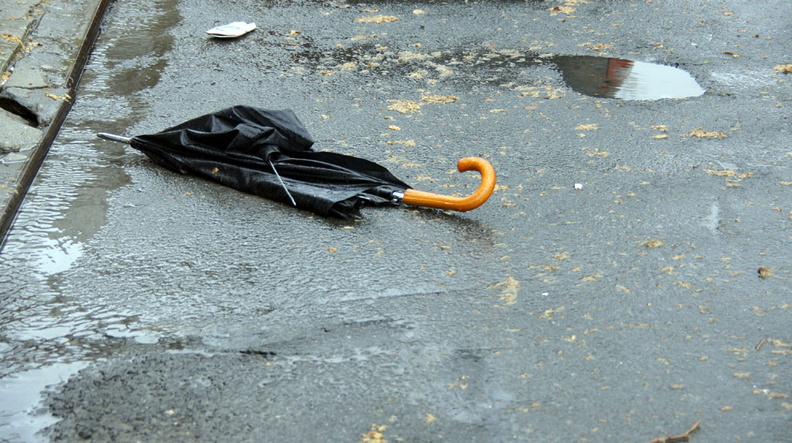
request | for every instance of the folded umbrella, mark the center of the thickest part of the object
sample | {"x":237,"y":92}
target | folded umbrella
{"x":269,"y":153}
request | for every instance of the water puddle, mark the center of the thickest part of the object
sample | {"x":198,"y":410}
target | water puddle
{"x":22,"y":415}
{"x":595,"y":76}
{"x":610,"y":77}
{"x":50,"y":329}
{"x":59,"y":256}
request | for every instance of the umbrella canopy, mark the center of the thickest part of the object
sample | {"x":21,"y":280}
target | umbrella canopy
{"x":268,"y":153}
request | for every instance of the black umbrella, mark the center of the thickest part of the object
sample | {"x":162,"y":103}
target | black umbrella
{"x":268,"y":153}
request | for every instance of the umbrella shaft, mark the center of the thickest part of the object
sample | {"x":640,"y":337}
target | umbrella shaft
{"x":397,"y":197}
{"x":114,"y":137}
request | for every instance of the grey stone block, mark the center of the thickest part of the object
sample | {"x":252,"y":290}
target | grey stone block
{"x":18,"y":135}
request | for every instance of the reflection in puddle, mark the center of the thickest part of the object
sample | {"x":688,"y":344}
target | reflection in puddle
{"x":59,"y":256}
{"x":610,"y":77}
{"x":21,"y":412}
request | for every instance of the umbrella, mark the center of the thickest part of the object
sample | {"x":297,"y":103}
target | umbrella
{"x":268,"y":153}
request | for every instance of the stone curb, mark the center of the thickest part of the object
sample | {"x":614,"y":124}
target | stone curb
{"x":44,"y":46}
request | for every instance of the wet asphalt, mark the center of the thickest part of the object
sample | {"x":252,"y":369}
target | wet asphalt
{"x":629,"y":278}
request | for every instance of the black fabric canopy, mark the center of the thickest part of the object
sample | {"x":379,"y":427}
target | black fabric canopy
{"x":268,"y":153}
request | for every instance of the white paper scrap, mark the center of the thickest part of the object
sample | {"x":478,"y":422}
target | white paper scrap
{"x":231,"y":30}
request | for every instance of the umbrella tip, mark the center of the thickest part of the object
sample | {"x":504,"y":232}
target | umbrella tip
{"x":114,"y":137}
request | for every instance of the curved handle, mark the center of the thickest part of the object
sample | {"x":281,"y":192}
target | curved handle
{"x":473,"y":201}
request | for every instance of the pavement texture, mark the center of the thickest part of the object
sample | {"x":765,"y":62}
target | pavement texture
{"x":43,"y":49}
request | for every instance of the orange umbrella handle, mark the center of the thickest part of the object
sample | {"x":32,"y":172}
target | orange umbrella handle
{"x":473,"y":201}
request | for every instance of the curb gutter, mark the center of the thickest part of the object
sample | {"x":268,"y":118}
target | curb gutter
{"x":20,"y":173}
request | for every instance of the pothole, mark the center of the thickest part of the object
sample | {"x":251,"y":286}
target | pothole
{"x":11,"y":106}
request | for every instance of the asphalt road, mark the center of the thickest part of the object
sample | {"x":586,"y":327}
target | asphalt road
{"x":629,"y":278}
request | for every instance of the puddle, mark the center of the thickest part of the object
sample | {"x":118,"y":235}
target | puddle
{"x":59,"y":256}
{"x":595,"y":76}
{"x":48,"y":329}
{"x":610,"y":77}
{"x":22,"y":414}
{"x":136,"y":47}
